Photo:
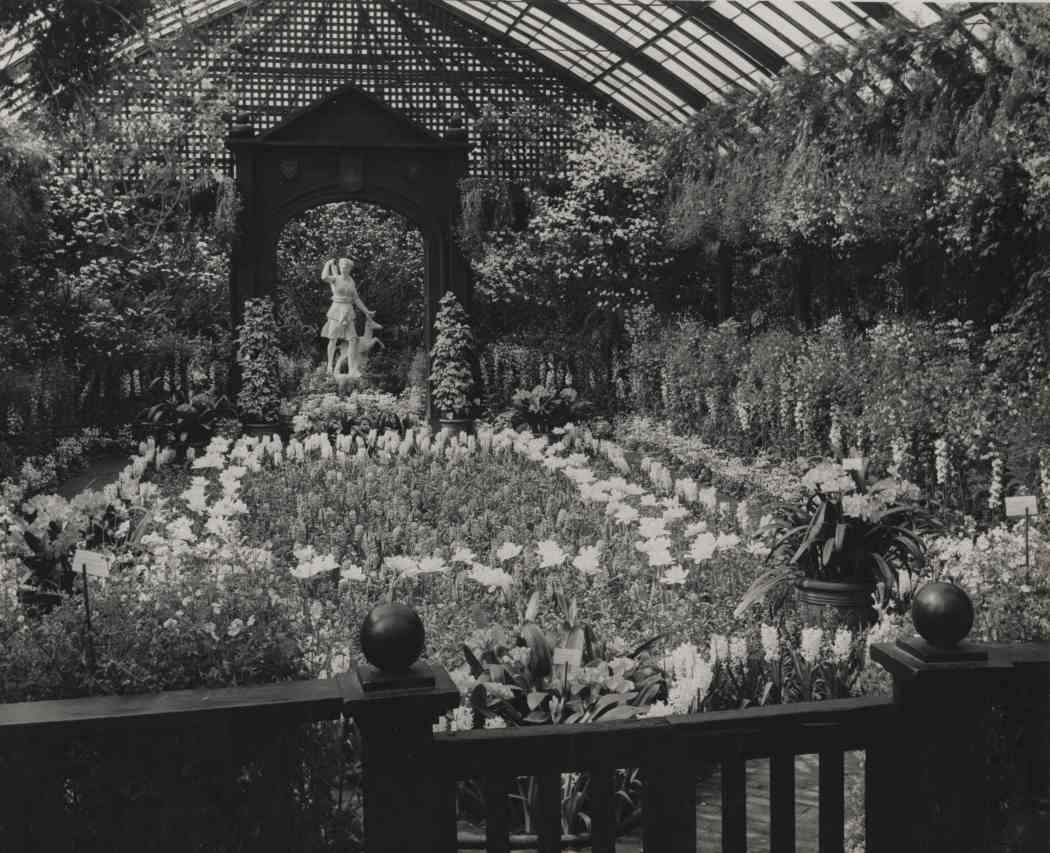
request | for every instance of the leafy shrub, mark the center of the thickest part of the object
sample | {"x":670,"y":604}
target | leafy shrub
{"x":259,"y":360}
{"x":764,"y":390}
{"x":452,"y":390}
{"x":682,"y":378}
{"x":542,"y":409}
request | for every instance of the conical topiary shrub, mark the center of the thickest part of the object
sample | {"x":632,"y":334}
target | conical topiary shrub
{"x":452,"y":382}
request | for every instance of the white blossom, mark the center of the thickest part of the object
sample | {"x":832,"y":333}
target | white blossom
{"x":810,"y":647}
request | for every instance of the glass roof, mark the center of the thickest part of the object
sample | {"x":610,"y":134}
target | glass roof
{"x":659,"y":60}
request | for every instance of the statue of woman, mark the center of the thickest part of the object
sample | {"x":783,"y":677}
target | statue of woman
{"x":339,"y":325}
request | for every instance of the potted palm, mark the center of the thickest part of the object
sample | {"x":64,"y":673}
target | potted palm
{"x":840,"y":542}
{"x":259,"y":399}
{"x":451,"y":379}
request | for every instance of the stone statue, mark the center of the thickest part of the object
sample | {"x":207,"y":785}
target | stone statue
{"x":344,"y":345}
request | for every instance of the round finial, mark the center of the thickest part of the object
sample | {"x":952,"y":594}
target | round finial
{"x":943,"y":614}
{"x":392,"y":637}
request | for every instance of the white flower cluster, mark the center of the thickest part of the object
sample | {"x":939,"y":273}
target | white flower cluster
{"x":827,"y":478}
{"x":993,"y":560}
{"x":995,"y":487}
{"x":941,"y":460}
{"x":691,"y":677}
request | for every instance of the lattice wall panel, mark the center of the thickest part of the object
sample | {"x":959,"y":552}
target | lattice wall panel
{"x":416,"y":57}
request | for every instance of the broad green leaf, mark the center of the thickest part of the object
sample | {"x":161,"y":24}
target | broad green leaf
{"x":827,"y":551}
{"x":885,"y":571}
{"x":761,"y":586}
{"x":840,"y":536}
{"x":621,"y":712}
{"x":539,"y":651}
{"x":533,"y":607}
{"x":605,"y":702}
{"x":646,"y":645}
{"x":647,"y":695}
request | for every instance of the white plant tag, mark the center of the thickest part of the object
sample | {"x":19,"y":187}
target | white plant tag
{"x":571,"y":657}
{"x":1021,"y":506}
{"x":93,"y":562}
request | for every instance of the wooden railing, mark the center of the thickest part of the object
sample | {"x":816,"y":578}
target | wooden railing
{"x":668,"y":750}
{"x":924,"y":773}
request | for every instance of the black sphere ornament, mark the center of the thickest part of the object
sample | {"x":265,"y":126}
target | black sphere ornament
{"x":392,"y":637}
{"x":943,"y":614}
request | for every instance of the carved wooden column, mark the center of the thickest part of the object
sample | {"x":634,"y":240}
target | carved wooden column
{"x":944,"y":688}
{"x":395,"y":701}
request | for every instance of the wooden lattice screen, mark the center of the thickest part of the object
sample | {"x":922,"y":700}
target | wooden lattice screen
{"x":417,"y":57}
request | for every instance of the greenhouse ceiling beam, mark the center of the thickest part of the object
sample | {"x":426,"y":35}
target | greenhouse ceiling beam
{"x":768,"y":60}
{"x":418,"y":36}
{"x":575,"y":82}
{"x":861,"y":17}
{"x":884,"y":13}
{"x":975,"y":9}
{"x":654,"y":70}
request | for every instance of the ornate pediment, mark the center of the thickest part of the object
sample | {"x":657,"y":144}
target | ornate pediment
{"x":351,"y":118}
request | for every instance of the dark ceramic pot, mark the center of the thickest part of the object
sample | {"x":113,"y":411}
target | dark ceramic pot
{"x":264,"y":429}
{"x":851,"y":603}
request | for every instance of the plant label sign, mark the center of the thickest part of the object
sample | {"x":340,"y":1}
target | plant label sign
{"x":854,"y":463}
{"x":92,"y":562}
{"x":1021,"y":506}
{"x":569,"y":657}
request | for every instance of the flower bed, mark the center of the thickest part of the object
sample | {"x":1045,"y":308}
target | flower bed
{"x":335,"y":413}
{"x":760,"y":478}
{"x":259,"y":563}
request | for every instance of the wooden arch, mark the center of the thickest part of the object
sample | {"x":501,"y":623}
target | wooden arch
{"x":347,"y":146}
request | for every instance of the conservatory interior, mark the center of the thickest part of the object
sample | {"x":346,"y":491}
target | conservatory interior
{"x":541,"y":425}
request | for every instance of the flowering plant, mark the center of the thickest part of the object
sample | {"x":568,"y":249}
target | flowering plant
{"x":191,"y":419}
{"x":527,"y":678}
{"x":543,"y":409}
{"x":1005,"y":573}
{"x":360,"y":410}
{"x":450,"y":370}
{"x":846,"y":531}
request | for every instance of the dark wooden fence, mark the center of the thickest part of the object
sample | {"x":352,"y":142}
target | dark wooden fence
{"x":925,"y":771}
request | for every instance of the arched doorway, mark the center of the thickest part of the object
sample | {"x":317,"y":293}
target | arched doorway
{"x":347,"y":147}
{"x":387,"y":251}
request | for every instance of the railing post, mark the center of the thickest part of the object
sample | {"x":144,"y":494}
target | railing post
{"x":944,"y":689}
{"x":395,"y":700}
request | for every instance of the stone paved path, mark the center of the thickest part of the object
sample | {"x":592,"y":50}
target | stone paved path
{"x":99,"y":473}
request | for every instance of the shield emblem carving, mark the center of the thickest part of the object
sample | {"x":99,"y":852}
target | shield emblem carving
{"x":290,"y":169}
{"x":351,"y":172}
